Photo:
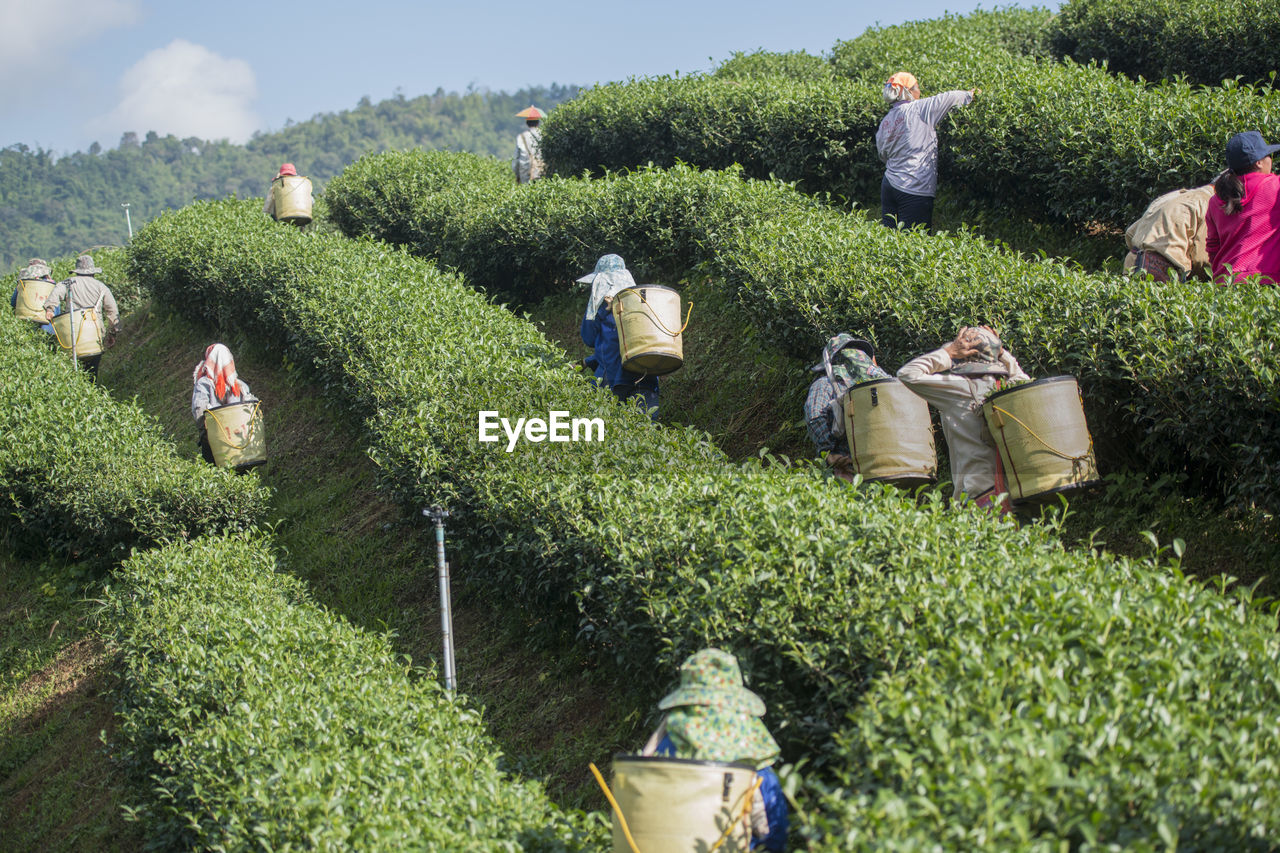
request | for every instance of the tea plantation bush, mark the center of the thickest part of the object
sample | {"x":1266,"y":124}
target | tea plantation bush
{"x":795,"y":65}
{"x":1055,"y":140}
{"x":84,"y":475}
{"x":1061,"y":139}
{"x":525,"y":243}
{"x":968,"y":680}
{"x":261,"y":721}
{"x":1175,"y":375}
{"x":818,"y":133}
{"x":1206,"y":41}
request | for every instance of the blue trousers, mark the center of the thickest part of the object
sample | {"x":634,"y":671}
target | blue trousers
{"x":904,"y":210}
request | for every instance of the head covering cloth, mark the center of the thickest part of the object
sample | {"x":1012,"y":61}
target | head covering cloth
{"x":713,"y":717}
{"x":898,"y":87}
{"x":220,"y":369}
{"x":287,"y":169}
{"x":846,"y":361}
{"x":609,"y":276}
{"x":986,"y":362}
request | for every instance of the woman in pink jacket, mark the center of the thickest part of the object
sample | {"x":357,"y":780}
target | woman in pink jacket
{"x":1244,"y":214}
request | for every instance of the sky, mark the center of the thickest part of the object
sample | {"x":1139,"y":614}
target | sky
{"x":77,"y":71}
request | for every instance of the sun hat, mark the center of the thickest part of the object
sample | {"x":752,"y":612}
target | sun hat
{"x":837,"y":343}
{"x":986,"y":362}
{"x":531,"y":112}
{"x":287,"y":169}
{"x":712,"y":677}
{"x":84,"y":266}
{"x":35,"y":268}
{"x":713,"y":717}
{"x":1245,"y":149}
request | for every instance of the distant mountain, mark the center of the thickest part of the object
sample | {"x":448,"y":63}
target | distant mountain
{"x":52,"y":206}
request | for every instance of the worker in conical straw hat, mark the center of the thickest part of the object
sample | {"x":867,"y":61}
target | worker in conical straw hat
{"x":527,"y":164}
{"x":712,"y":716}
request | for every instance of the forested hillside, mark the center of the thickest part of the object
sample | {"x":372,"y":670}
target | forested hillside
{"x":51,"y":206}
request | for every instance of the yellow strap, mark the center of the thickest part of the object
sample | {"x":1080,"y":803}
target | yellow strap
{"x":84,"y":312}
{"x":746,"y":809}
{"x":248,"y":430}
{"x":663,"y":327}
{"x":1050,"y":447}
{"x":622,"y":821}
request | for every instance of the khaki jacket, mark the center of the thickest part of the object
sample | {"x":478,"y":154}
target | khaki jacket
{"x":958,"y":400}
{"x":1174,"y":225}
{"x":86,"y":292}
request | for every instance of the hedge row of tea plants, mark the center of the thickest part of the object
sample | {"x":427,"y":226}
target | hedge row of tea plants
{"x":1174,"y":375}
{"x":526,"y":243}
{"x":1052,"y":139}
{"x":84,"y":475}
{"x":262,"y":721}
{"x":1057,"y":138}
{"x":795,"y":65}
{"x":818,"y":133}
{"x":1206,"y":41}
{"x":893,"y":640}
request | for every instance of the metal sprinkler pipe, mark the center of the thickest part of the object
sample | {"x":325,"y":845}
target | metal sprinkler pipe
{"x":438,"y":515}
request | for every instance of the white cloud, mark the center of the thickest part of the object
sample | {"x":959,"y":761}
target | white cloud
{"x":38,"y":33}
{"x":187,"y":90}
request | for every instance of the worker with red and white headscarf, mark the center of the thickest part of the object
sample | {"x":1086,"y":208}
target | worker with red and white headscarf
{"x":269,"y":206}
{"x":907,"y":142}
{"x":215,"y":384}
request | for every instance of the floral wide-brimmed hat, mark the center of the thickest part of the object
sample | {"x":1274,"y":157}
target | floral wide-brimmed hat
{"x":713,"y":717}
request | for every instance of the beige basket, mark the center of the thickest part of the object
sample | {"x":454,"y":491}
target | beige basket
{"x":1044,"y":443}
{"x":674,"y":805}
{"x":89,"y":333}
{"x":890,"y":434}
{"x":31,"y":296}
{"x":292,"y":195}
{"x":236,"y":435}
{"x":650,"y":334}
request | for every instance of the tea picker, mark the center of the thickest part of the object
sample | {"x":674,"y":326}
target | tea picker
{"x":79,"y":329}
{"x":289,"y":197}
{"x":855,"y":406}
{"x":438,"y":515}
{"x":1006,"y":434}
{"x":228,"y":416}
{"x":635,"y":332}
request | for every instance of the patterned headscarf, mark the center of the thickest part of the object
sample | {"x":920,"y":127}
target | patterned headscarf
{"x":899,"y":86}
{"x":846,"y":361}
{"x":987,"y":360}
{"x":713,"y":717}
{"x":221,"y":370}
{"x":609,"y":277}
